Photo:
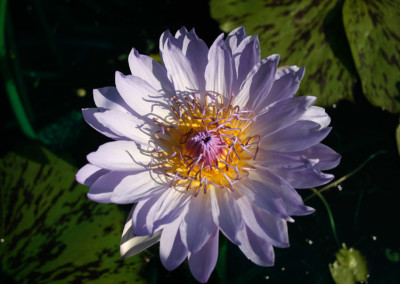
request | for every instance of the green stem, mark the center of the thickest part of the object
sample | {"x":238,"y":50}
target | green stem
{"x":10,"y":86}
{"x":333,"y":184}
{"x":328,"y":209}
{"x":343,"y":178}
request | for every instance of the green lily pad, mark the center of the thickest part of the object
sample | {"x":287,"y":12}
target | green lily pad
{"x":350,"y":267}
{"x":52,"y":233}
{"x":373,"y":30}
{"x":303,"y":33}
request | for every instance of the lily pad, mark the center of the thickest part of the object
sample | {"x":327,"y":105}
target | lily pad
{"x":51,"y":232}
{"x":349,"y":267}
{"x":303,"y":33}
{"x":373,"y":30}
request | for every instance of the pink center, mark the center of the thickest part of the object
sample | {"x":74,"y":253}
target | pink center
{"x":205,"y":147}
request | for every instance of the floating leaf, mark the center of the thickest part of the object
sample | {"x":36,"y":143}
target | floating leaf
{"x":51,"y":232}
{"x":303,"y":33}
{"x":373,"y":30}
{"x":350,"y":267}
{"x":393,"y":256}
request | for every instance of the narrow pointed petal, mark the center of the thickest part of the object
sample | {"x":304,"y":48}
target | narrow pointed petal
{"x":234,"y":38}
{"x":196,"y":52}
{"x":180,"y":69}
{"x":265,"y":225}
{"x":296,"y":137}
{"x":254,"y":191}
{"x":125,"y":125}
{"x":172,"y":250}
{"x":317,"y":115}
{"x":245,"y":57}
{"x":202,"y":262}
{"x":256,"y":249}
{"x":131,"y":244}
{"x":286,"y":84}
{"x":134,"y":187}
{"x":141,"y":96}
{"x":146,"y":68}
{"x":166,"y":209}
{"x":304,"y":178}
{"x":267,"y":190}
{"x":219,"y":71}
{"x":283,"y":114}
{"x":88,"y":116}
{"x":327,"y":158}
{"x":125,"y":187}
{"x":109,"y":98}
{"x":88,"y":174}
{"x":198,"y":224}
{"x":119,"y":156}
{"x":259,"y":81}
{"x":226,"y":213}
{"x":139,"y":217}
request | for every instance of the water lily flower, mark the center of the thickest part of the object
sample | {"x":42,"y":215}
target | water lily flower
{"x":211,"y":141}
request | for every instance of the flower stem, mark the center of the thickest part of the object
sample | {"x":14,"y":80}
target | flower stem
{"x":336,"y":183}
{"x":328,"y":209}
{"x":9,"y":82}
{"x":343,"y":178}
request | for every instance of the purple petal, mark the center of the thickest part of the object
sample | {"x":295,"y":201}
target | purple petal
{"x":139,"y":217}
{"x":125,"y":187}
{"x":179,"y":69}
{"x":317,"y":115}
{"x":172,"y":250}
{"x":281,"y":115}
{"x":303,"y":178}
{"x":255,"y":191}
{"x":258,"y":83}
{"x":234,"y":38}
{"x":266,"y":189}
{"x":166,"y":209}
{"x":119,"y":156}
{"x":131,"y":188}
{"x":265,"y":225}
{"x":245,"y":57}
{"x":296,"y":137}
{"x":328,"y":158}
{"x":181,"y":33}
{"x":286,"y":84}
{"x":219,"y":70}
{"x":167,"y":36}
{"x":131,"y":244}
{"x":256,"y":249}
{"x":226,"y":213}
{"x":141,"y":96}
{"x":124,"y":125}
{"x":146,"y":68}
{"x":88,"y":116}
{"x":198,"y":224}
{"x":109,"y":98}
{"x":196,"y":52}
{"x":287,"y":160}
{"x":88,"y":174}
{"x":202,"y":262}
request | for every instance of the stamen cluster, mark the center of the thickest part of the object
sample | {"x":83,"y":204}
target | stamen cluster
{"x":207,"y":145}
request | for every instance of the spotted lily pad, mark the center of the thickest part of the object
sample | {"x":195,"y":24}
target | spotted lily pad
{"x":303,"y":33}
{"x":373,"y":30}
{"x":51,"y":232}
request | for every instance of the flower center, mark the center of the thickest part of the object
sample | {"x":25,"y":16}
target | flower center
{"x":207,"y":145}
